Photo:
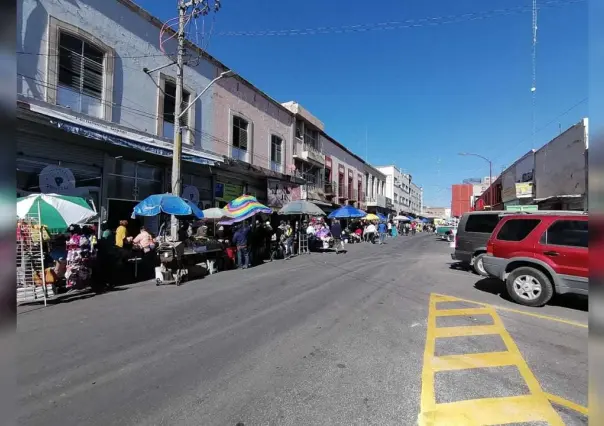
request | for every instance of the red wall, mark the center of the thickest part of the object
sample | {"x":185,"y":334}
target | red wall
{"x":460,"y":199}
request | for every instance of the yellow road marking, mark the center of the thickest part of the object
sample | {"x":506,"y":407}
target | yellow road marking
{"x":469,"y":330}
{"x":462,"y":312}
{"x":487,"y":411}
{"x":465,"y":361}
{"x":491,"y":411}
{"x":444,"y":298}
{"x":566,"y":403}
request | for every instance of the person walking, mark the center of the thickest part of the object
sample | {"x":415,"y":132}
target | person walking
{"x":240,"y":239}
{"x":382,"y":229}
{"x":336,"y":233}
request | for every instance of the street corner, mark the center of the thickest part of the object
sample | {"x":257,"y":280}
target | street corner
{"x":474,"y":372}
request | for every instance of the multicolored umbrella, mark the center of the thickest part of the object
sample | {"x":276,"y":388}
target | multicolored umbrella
{"x":57,"y":212}
{"x":244,"y":207}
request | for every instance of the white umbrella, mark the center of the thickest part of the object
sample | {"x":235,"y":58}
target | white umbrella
{"x":55,"y":211}
{"x":216,"y":213}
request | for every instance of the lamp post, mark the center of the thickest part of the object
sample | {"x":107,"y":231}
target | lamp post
{"x":177,"y":153}
{"x":490,"y":169}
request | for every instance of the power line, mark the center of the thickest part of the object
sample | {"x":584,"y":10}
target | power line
{"x":394,"y":25}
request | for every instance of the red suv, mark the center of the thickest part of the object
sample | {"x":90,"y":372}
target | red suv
{"x":539,"y":254}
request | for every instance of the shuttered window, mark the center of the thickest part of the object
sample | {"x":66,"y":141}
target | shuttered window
{"x":240,"y":133}
{"x":80,"y":75}
{"x":276,"y":153}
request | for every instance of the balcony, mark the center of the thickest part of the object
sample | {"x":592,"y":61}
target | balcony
{"x":342,"y":191}
{"x":309,"y":154}
{"x":376,"y":201}
{"x":331,"y":189}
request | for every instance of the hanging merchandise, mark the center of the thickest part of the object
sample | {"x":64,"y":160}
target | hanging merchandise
{"x":80,"y":257}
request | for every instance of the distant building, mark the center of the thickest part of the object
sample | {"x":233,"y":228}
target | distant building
{"x":460,"y":199}
{"x":437,"y":212}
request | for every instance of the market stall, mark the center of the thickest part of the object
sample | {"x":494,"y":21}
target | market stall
{"x":302,"y":209}
{"x":187,"y":256}
{"x":54,"y":253}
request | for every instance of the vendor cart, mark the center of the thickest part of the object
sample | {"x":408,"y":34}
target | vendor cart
{"x":172,"y":269}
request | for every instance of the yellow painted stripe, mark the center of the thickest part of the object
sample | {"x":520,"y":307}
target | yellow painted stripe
{"x":480,"y":360}
{"x":492,"y":411}
{"x":566,"y":403}
{"x":444,"y":298}
{"x":472,"y":330}
{"x":462,"y":312}
{"x":428,"y":400}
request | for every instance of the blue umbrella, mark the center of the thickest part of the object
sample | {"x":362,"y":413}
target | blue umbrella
{"x":382,"y":217}
{"x":425,"y":220}
{"x":166,"y":203}
{"x":346,"y":212}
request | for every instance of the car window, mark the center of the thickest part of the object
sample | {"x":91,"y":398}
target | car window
{"x":572,"y":233}
{"x":483,"y":223}
{"x":517,"y":229}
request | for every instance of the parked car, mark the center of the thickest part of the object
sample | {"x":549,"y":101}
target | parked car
{"x":473,"y":232}
{"x":540,"y":254}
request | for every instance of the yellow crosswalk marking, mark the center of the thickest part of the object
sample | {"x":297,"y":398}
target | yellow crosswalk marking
{"x":487,"y":411}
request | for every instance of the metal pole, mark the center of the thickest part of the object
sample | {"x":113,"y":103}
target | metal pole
{"x":41,"y":236}
{"x":490,"y":181}
{"x":177,"y":152}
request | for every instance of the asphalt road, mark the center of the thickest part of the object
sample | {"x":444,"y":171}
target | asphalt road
{"x":321,"y":339}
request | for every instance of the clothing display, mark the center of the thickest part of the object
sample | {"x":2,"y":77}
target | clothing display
{"x":80,"y":255}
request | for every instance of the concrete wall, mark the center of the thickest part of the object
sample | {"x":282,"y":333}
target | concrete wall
{"x":345,"y":158}
{"x":133,"y":98}
{"x":231,"y":97}
{"x":560,"y":166}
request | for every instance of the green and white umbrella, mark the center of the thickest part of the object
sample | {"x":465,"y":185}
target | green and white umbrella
{"x":57,"y":212}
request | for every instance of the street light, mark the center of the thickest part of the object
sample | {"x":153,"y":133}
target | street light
{"x":490,"y":168}
{"x":177,"y":153}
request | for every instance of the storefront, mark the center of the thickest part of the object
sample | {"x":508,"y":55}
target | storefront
{"x":59,"y":154}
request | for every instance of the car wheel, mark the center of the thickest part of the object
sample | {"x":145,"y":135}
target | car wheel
{"x":529,"y":286}
{"x":479,"y":266}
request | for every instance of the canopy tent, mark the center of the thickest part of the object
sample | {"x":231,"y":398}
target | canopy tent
{"x":166,"y":203}
{"x":56,"y":212}
{"x":301,"y":207}
{"x":347,"y":212}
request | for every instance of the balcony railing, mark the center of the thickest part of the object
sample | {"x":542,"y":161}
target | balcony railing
{"x":342,"y":190}
{"x":331,"y":188}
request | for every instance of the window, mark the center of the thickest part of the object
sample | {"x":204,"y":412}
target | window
{"x":240,"y":138}
{"x":311,"y":137}
{"x":80,"y":85}
{"x":169,"y":108}
{"x":276,"y":153}
{"x":482,"y":223}
{"x":571,"y":233}
{"x":517,"y":229}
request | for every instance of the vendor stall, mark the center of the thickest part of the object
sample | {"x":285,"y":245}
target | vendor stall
{"x":43,"y":219}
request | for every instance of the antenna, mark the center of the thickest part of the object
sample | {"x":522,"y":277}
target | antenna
{"x":534,"y":59}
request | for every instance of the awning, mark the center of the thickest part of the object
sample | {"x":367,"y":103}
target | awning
{"x":117,"y":135}
{"x":558,"y":198}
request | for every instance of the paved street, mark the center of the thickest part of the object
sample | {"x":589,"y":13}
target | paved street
{"x":323,"y":339}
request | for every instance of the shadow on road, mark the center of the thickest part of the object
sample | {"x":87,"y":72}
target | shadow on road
{"x":65,"y":298}
{"x":497,"y":287}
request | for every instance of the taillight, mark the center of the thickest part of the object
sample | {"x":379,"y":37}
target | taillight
{"x":490,"y":247}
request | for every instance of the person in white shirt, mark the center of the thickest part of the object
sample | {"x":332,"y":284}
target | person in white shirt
{"x":370,"y":232}
{"x":310,"y":230}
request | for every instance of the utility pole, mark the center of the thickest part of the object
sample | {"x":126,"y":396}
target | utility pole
{"x":177,"y":152}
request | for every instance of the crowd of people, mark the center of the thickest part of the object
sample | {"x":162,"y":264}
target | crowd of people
{"x":264,"y":238}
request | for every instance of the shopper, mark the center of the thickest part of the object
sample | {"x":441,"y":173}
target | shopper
{"x":382,"y":229}
{"x":240,"y":239}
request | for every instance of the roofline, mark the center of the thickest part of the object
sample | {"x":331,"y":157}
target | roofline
{"x":339,"y":145}
{"x":189,"y":44}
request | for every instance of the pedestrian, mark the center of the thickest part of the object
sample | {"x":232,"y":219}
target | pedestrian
{"x":336,"y":233}
{"x":240,"y":239}
{"x":389,"y":228}
{"x":382,"y":229}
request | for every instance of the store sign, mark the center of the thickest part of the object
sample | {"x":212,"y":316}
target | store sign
{"x":278,"y":193}
{"x":227,"y":192}
{"x":191,"y":193}
{"x":56,"y":180}
{"x":526,"y":208}
{"x":524,"y":190}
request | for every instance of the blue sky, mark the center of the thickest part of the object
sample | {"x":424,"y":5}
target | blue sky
{"x":423,"y":92}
